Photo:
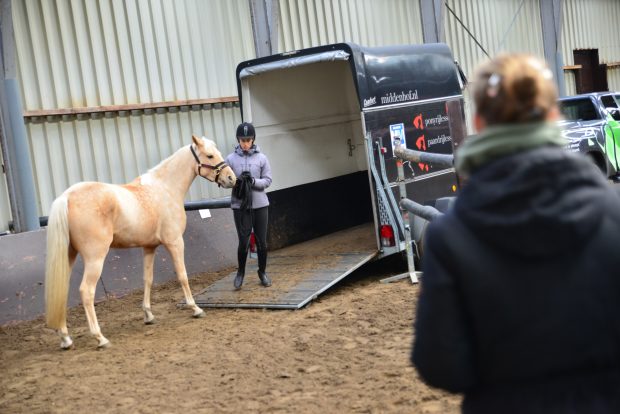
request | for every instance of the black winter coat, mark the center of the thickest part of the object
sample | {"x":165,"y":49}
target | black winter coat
{"x":520,"y":297}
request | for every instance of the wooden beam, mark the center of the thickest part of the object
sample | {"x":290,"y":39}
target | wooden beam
{"x":128,"y":107}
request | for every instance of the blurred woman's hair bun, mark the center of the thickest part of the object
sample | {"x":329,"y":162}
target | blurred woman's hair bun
{"x":514,"y":88}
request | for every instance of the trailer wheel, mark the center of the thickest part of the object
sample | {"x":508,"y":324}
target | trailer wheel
{"x":420,"y":242}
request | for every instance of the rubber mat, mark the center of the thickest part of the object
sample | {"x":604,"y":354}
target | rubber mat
{"x":299,"y":273}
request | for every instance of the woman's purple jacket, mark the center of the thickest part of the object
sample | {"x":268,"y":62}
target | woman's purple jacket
{"x":257,"y":164}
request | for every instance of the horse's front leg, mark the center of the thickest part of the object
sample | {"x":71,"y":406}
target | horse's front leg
{"x":149,"y":259}
{"x":177,"y":251}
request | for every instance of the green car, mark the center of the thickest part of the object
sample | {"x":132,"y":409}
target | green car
{"x":591,"y":126}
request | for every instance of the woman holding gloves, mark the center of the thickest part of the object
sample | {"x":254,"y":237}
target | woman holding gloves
{"x":249,"y":200}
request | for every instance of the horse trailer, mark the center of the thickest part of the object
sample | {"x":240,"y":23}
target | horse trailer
{"x":329,"y":118}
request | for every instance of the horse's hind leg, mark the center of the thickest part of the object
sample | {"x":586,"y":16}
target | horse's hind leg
{"x":63,"y":331}
{"x":149,"y":258}
{"x":176,"y":250}
{"x":92,"y":271}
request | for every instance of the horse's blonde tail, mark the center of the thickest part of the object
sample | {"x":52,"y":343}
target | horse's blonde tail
{"x":57,"y":268}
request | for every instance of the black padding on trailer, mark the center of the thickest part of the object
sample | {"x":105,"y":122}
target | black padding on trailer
{"x":299,"y":273}
{"x":308,"y":211}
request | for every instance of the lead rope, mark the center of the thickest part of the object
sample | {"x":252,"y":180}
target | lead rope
{"x":107,"y":295}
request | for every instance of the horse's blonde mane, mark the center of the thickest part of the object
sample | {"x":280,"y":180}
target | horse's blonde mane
{"x":208,"y":142}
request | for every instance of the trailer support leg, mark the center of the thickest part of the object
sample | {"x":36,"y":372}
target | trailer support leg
{"x":411,"y":273}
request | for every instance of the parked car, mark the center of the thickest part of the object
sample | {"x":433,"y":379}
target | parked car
{"x":591,"y":124}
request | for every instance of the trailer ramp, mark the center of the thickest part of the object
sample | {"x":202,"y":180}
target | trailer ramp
{"x":299,"y":273}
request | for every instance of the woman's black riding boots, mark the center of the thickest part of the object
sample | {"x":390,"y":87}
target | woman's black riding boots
{"x":242,"y":255}
{"x":262,"y":265}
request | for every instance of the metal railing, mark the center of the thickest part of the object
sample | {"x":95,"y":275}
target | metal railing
{"x":223,"y":202}
{"x":441,"y":160}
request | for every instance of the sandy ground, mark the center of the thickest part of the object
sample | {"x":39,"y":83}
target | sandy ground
{"x":347,"y":352}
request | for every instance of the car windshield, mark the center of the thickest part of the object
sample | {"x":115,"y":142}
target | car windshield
{"x":578,"y":110}
{"x":609,"y":101}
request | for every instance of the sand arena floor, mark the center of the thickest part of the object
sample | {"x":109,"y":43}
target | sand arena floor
{"x":346,"y":352}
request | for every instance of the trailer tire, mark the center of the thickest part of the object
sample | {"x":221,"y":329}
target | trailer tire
{"x":420,"y":224}
{"x":420,"y":239}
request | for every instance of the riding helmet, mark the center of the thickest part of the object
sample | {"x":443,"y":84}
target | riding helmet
{"x":245,"y":130}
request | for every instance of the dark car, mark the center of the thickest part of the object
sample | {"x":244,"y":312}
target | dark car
{"x":591,"y":126}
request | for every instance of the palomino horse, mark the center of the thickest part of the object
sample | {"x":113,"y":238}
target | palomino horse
{"x":90,"y":217}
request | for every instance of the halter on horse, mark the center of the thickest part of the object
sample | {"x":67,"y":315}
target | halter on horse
{"x":216,"y":168}
{"x":90,"y":217}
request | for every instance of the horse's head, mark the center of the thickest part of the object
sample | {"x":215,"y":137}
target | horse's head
{"x":210,"y":164}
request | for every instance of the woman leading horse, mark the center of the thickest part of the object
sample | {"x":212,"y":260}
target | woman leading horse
{"x":249,"y":201}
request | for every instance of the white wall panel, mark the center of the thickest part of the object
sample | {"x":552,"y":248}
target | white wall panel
{"x":119,"y":148}
{"x":85,"y":53}
{"x":75,"y":54}
{"x":569,"y":83}
{"x":613,"y":78}
{"x":589,"y":24}
{"x":498,"y":26}
{"x":5,"y":208}
{"x":308,"y":23}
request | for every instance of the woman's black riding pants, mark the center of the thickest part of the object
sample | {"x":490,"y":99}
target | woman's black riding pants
{"x":245,"y":220}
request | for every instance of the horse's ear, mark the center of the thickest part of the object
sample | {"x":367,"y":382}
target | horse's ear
{"x":196,"y":140}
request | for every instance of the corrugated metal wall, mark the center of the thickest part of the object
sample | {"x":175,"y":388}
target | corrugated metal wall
{"x":117,"y":149}
{"x":591,"y":24}
{"x":613,"y":77}
{"x":110,"y":52}
{"x":5,"y":209}
{"x":93,"y":54}
{"x":499,"y":26}
{"x":495,"y":26}
{"x":307,"y":23}
{"x":569,"y":83}
{"x":82,"y":53}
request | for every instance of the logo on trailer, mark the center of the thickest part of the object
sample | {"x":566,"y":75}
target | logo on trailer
{"x":436,"y":120}
{"x":403,"y":96}
{"x":397,"y":135}
{"x":370,"y":101}
{"x":420,"y":142}
{"x":418,"y":123}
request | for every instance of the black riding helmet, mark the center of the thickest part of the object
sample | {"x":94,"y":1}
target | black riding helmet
{"x":246,"y":130}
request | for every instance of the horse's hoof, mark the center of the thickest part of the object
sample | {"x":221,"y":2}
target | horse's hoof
{"x":66,"y":344}
{"x":151,"y":322}
{"x":201,"y":314}
{"x":104,"y":344}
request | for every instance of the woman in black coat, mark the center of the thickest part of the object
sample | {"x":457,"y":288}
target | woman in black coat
{"x":520,"y":298}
